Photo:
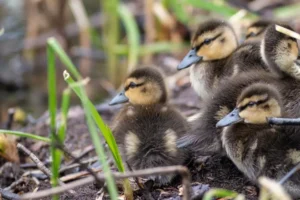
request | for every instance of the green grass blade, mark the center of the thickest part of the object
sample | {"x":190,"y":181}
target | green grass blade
{"x":94,"y":135}
{"x":158,"y":47}
{"x":219,"y":193}
{"x":61,"y":131}
{"x":133,"y":36}
{"x":55,"y":46}
{"x":288,"y":11}
{"x":107,"y":134}
{"x":90,"y":109}
{"x":52,"y":113}
{"x":177,"y":6}
{"x":64,"y":114}
{"x":110,"y":33}
{"x":224,"y":9}
{"x":26,"y":135}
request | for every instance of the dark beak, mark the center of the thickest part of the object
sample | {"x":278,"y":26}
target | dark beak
{"x":231,"y":118}
{"x":190,"y":58}
{"x":120,"y":98}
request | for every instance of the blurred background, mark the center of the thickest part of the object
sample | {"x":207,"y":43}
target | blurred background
{"x":108,"y":38}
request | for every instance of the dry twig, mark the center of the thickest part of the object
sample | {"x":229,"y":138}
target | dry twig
{"x":39,"y":164}
{"x":289,"y":174}
{"x":183,"y":171}
{"x":8,"y":195}
{"x":90,"y":160}
{"x":284,"y":121}
{"x":287,"y":32}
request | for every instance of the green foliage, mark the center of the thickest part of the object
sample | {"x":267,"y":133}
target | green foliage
{"x":52,"y":107}
{"x":92,"y":117}
{"x":133,"y":36}
{"x":286,"y":12}
{"x":177,"y":7}
{"x":110,"y":36}
{"x":219,"y":193}
{"x":26,"y":135}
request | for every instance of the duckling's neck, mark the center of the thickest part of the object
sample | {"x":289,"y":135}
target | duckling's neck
{"x":205,"y":76}
{"x":200,"y":79}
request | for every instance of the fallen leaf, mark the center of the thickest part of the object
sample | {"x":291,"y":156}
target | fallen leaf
{"x":8,"y":148}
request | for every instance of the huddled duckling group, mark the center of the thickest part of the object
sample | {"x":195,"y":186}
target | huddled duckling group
{"x":241,"y":86}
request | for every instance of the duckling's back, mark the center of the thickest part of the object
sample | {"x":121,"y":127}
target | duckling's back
{"x":147,"y":135}
{"x":247,"y":58}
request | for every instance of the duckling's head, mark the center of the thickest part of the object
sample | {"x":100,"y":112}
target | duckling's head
{"x":257,"y":102}
{"x":213,"y":40}
{"x":280,"y":51}
{"x":256,"y":30}
{"x":144,"y":86}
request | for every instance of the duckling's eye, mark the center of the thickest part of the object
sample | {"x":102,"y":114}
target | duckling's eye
{"x":132,"y":85}
{"x":207,"y":41}
{"x":251,"y":103}
{"x":251,"y":34}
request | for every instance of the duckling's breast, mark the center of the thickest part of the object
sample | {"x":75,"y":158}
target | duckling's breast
{"x":201,"y":79}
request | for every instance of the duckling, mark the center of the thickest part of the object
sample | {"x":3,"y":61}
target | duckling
{"x":205,"y":139}
{"x":281,"y":52}
{"x":256,"y":148}
{"x":215,"y":56}
{"x":256,"y":30}
{"x":208,"y":66}
{"x":147,"y":127}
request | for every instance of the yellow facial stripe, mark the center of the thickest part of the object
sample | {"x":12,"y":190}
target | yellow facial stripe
{"x":200,"y":39}
{"x":134,"y":80}
{"x":254,"y":30}
{"x":254,"y":98}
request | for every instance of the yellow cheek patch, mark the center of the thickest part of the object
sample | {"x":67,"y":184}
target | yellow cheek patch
{"x":254,"y":98}
{"x":258,"y":114}
{"x":217,"y":49}
{"x":146,"y":94}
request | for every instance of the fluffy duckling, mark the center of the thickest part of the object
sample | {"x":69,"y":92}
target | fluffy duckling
{"x":205,"y":139}
{"x":215,"y":56}
{"x":281,"y":52}
{"x":147,"y":127}
{"x":211,"y":45}
{"x":256,"y":30}
{"x":256,"y":148}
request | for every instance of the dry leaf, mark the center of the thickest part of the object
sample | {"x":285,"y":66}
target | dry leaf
{"x":8,"y":148}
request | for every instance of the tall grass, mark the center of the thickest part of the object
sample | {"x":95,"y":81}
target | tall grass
{"x":93,"y":118}
{"x":52,"y":107}
{"x":110,"y":36}
{"x":133,"y":36}
{"x":26,"y":135}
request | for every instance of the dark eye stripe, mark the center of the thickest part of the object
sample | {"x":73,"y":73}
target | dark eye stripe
{"x":254,"y":34}
{"x":203,"y":43}
{"x":256,"y":103}
{"x":133,"y":86}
